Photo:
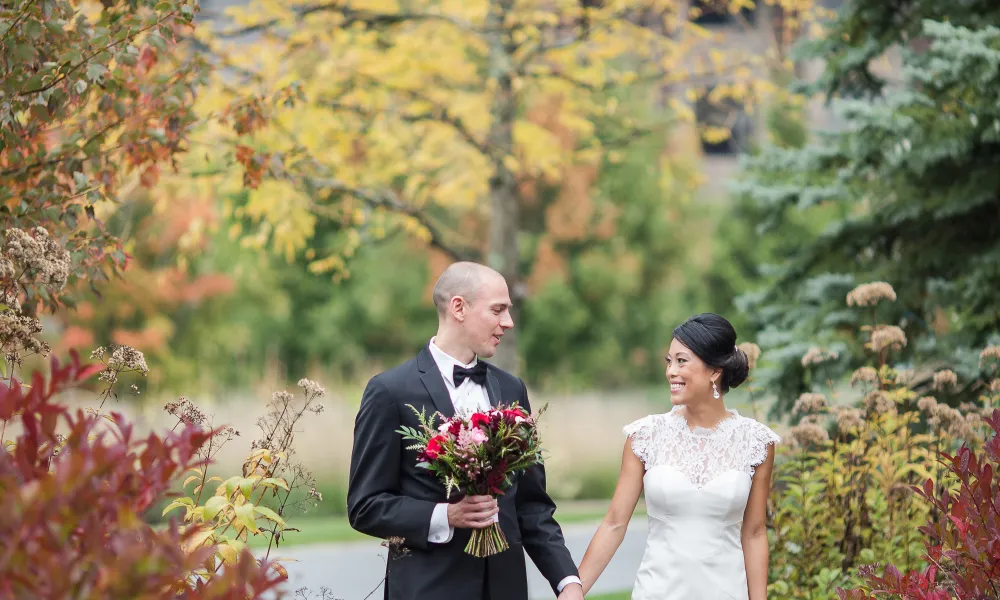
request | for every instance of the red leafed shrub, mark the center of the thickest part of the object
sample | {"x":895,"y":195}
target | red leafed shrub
{"x":71,"y":495}
{"x":963,"y":534}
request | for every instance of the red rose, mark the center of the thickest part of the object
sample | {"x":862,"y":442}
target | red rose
{"x":479,"y":419}
{"x":434,"y":448}
{"x":512,"y":414}
{"x":455,"y":427}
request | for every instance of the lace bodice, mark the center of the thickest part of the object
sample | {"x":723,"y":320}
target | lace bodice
{"x":736,"y":443}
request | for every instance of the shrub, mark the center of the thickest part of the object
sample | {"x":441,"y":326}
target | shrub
{"x":74,"y":486}
{"x":842,"y":495}
{"x":70,"y":505}
{"x":962,"y":547}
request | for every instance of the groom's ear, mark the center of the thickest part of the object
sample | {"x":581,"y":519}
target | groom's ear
{"x":459,"y":307}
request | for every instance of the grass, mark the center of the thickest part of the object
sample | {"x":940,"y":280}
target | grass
{"x":614,"y":596}
{"x":331,"y":529}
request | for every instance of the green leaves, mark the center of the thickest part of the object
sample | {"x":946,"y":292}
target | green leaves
{"x":33,"y":29}
{"x":214,"y":506}
{"x":187,"y":502}
{"x":245,"y":517}
{"x":96,"y":72}
{"x":269,"y":514}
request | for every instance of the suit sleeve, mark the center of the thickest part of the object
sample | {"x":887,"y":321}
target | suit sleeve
{"x":375,"y":505}
{"x":541,"y":535}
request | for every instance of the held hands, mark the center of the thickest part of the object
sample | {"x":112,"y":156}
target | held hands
{"x":473,"y":512}
{"x":573,"y":591}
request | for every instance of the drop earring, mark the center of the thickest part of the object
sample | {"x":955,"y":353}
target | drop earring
{"x":715,"y":391}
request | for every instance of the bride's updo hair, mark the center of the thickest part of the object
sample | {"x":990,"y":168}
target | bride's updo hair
{"x":713,"y":339}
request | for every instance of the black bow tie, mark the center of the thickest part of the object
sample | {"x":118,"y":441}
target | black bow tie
{"x":477,"y":374}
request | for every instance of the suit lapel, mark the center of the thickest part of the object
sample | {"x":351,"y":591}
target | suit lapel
{"x":492,"y":387}
{"x":432,"y":380}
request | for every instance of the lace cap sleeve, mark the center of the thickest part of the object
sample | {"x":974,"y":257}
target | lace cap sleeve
{"x":641,"y":434}
{"x":761,"y":436}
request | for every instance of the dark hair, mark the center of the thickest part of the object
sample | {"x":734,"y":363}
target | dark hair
{"x":713,"y":340}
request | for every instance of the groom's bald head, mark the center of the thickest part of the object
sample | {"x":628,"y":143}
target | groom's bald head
{"x":473,"y":306}
{"x":464,"y":279}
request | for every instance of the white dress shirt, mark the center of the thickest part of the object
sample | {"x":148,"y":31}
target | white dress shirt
{"x":467,"y":399}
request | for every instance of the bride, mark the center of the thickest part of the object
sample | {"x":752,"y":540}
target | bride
{"x":706,"y":474}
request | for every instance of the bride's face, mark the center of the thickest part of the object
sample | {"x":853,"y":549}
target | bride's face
{"x":689,"y":377}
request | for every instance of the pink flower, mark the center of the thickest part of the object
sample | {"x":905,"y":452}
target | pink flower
{"x":470,"y":438}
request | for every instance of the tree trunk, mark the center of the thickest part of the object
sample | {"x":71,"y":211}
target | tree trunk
{"x":504,"y":214}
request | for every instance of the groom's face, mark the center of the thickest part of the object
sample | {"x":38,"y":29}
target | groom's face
{"x":487,"y":317}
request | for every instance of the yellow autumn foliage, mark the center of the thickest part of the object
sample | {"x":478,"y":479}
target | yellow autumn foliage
{"x":426,"y":101}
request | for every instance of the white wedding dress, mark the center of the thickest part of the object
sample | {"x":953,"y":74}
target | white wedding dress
{"x":697,"y":484}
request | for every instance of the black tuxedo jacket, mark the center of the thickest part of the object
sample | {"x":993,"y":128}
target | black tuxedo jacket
{"x":388,"y":496}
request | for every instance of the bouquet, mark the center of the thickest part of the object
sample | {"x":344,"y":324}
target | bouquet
{"x":477,"y":455}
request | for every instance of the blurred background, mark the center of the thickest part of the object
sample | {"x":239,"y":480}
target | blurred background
{"x":625,"y":165}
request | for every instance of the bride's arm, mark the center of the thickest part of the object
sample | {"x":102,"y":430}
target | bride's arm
{"x":611,"y":531}
{"x":754,"y":534}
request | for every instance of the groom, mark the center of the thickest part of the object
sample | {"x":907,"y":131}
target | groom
{"x":389,"y":497}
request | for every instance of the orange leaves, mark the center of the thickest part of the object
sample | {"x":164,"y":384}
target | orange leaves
{"x":569,"y":217}
{"x":253,"y":165}
{"x":150,"y":175}
{"x":247,"y":115}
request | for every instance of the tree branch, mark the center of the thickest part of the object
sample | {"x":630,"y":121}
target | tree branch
{"x":440,"y":115}
{"x":17,"y":20}
{"x":586,"y":27}
{"x":632,"y":134}
{"x":351,"y":17}
{"x":58,"y":159}
{"x":389,"y":200}
{"x":129,"y":38}
{"x":649,"y":77}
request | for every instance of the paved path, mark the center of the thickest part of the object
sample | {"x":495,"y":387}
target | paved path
{"x":351,"y":570}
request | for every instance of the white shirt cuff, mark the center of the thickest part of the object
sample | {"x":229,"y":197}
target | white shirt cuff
{"x":440,"y":532}
{"x":566,"y":581}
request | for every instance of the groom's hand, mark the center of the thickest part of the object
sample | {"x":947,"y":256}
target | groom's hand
{"x":473,"y":512}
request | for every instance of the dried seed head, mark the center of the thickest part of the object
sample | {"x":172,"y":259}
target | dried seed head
{"x":947,"y":419}
{"x":879,"y":403}
{"x":945,"y":379}
{"x":6,"y":268}
{"x":752,"y":351}
{"x":989,"y":352}
{"x":810,"y":402}
{"x":865,"y":375}
{"x":17,"y":335}
{"x":39,"y":256}
{"x":185,"y":411}
{"x":887,"y":336}
{"x":311,"y":388}
{"x":869,"y":294}
{"x":808,"y":434}
{"x":849,"y":419}
{"x":927,"y":403}
{"x":816,"y":355}
{"x":127,"y":358}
